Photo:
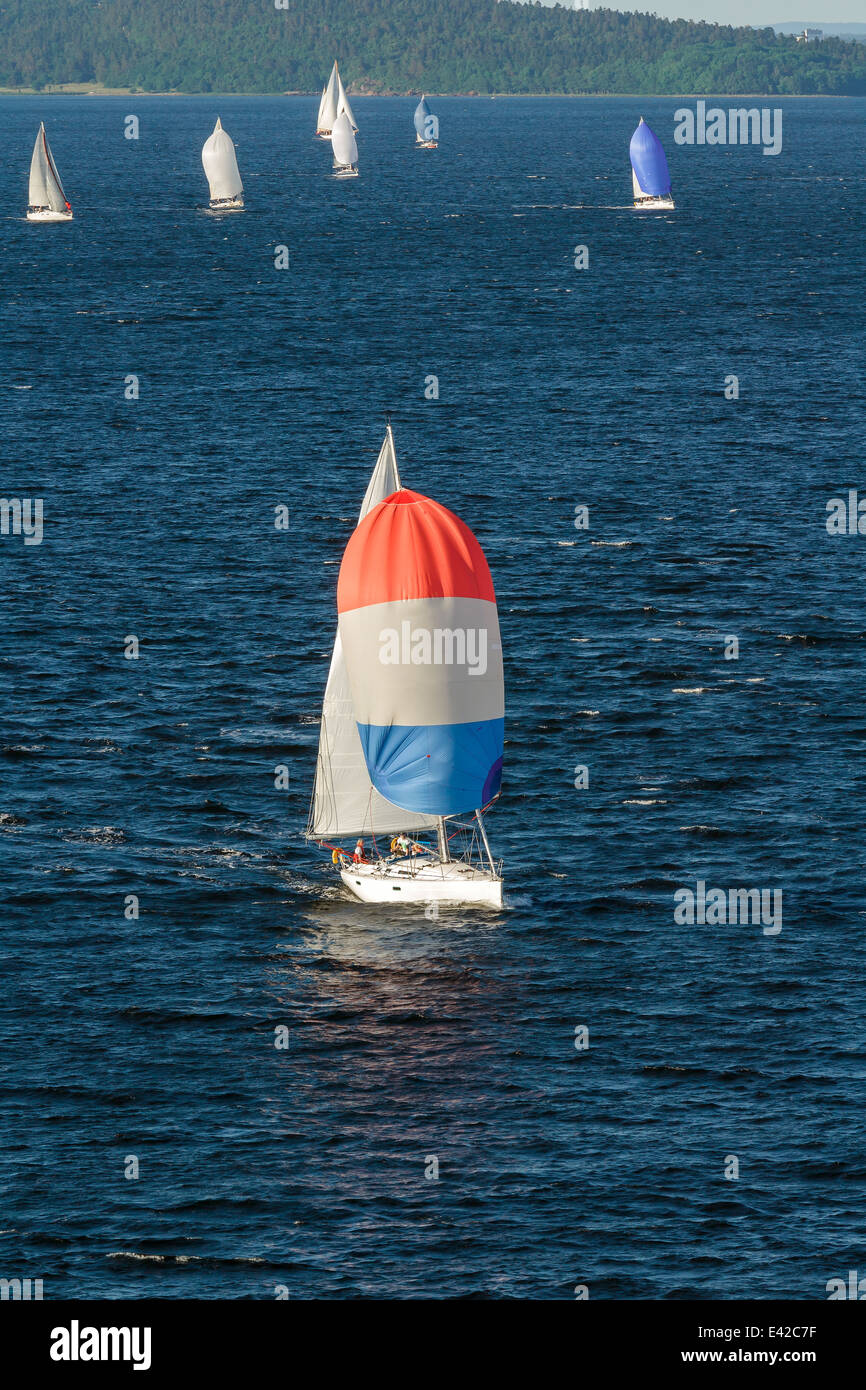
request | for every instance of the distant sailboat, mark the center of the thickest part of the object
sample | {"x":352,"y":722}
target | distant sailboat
{"x":651,"y":181}
{"x":345,"y":148}
{"x":221,"y":167}
{"x":333,"y":103}
{"x":426,"y":127}
{"x":47,"y":201}
{"x":409,"y":743}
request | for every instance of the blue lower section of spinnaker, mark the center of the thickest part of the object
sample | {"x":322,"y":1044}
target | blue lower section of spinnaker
{"x":437,"y":769}
{"x":649,"y":163}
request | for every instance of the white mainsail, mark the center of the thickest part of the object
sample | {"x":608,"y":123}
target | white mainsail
{"x":344,"y":799}
{"x":46,"y":190}
{"x":221,"y":165}
{"x":328,"y":104}
{"x":343,"y":102}
{"x":343,"y":142}
{"x":638,"y":191}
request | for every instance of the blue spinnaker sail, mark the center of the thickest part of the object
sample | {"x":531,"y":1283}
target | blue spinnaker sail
{"x":648,"y":161}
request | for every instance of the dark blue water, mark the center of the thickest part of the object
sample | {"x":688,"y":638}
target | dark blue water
{"x":409,"y":1038}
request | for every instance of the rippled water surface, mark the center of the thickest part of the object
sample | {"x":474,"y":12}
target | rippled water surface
{"x":410,"y":1038}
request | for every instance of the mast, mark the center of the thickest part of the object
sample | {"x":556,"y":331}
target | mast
{"x":486,"y":841}
{"x":442,"y":837}
{"x":390,"y":434}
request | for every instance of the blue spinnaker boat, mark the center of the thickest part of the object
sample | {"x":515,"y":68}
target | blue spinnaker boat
{"x":649,"y":166}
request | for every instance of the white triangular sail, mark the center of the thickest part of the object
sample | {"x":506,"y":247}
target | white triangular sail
{"x":638,"y":191}
{"x":421,"y":119}
{"x":344,"y":799}
{"x":46,"y":190}
{"x":328,"y":104}
{"x":343,"y":102}
{"x":343,"y":143}
{"x":221,"y":165}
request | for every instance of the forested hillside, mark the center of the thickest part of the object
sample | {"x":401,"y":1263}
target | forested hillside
{"x":401,"y":46}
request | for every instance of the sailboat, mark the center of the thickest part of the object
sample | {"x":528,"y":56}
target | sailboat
{"x":345,"y":148}
{"x":649,"y":171}
{"x":47,"y":201}
{"x":411,"y":740}
{"x":426,"y":127}
{"x":221,"y":168}
{"x":333,"y":103}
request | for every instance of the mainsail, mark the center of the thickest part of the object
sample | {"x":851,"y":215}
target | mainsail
{"x":343,"y":142}
{"x":221,"y":165}
{"x":420,"y":635}
{"x":344,"y":799}
{"x":649,"y":167}
{"x":46,"y":190}
{"x":328,"y":105}
{"x":343,"y":102}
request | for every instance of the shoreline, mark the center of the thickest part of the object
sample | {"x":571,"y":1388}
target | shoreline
{"x":88,"y":90}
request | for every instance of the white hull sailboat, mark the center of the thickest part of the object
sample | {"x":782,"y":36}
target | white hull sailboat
{"x":650,"y":180}
{"x":426,"y":127}
{"x":404,"y":744}
{"x":47,"y":215}
{"x":424,"y":881}
{"x":334,"y":103}
{"x":47,"y":201}
{"x":345,"y":148}
{"x":221,"y":170}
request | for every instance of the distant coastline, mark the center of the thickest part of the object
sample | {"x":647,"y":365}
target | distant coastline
{"x":84,"y":89}
{"x":389,"y":48}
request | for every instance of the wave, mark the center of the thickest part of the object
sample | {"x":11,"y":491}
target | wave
{"x":204,"y":1261}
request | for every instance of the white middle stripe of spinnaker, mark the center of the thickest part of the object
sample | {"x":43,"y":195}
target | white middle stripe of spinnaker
{"x":424,"y":661}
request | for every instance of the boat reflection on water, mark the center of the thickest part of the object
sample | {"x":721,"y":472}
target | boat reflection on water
{"x":338,"y":927}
